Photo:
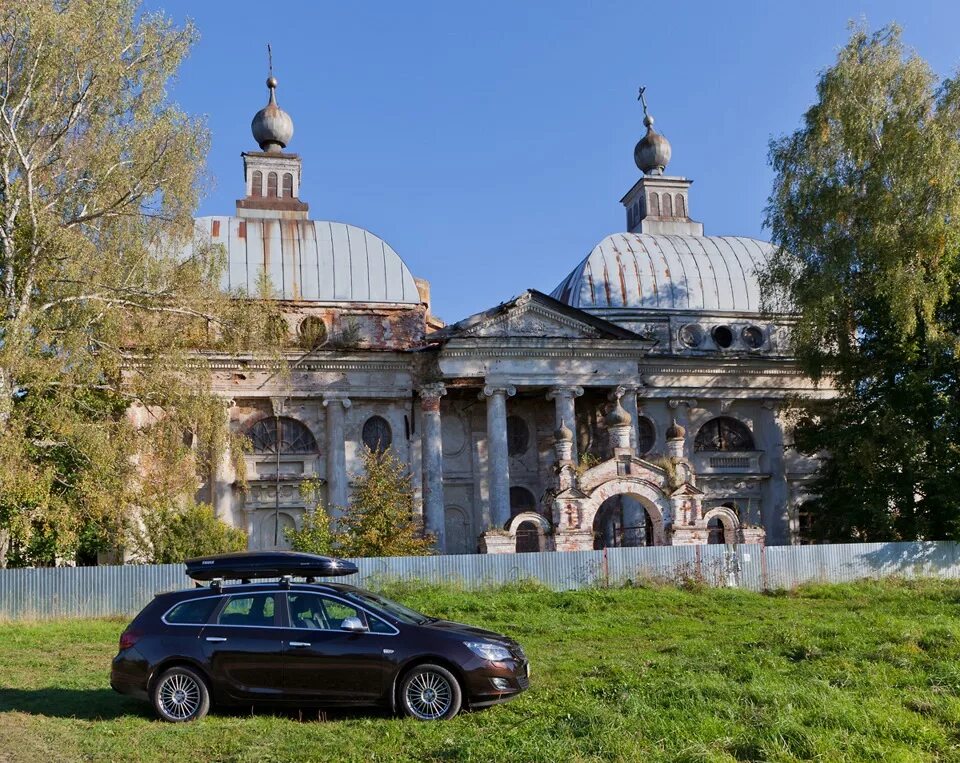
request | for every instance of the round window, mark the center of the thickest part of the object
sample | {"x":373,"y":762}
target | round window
{"x":691,"y":335}
{"x":646,"y":435}
{"x":518,"y":436}
{"x":752,"y":337}
{"x":723,"y":336}
{"x":377,"y":434}
{"x":312,"y":332}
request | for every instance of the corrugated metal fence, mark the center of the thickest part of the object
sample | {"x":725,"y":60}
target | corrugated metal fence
{"x":103,"y":591}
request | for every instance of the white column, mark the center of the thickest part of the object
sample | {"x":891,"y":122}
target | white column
{"x":498,"y":461}
{"x":221,"y":488}
{"x":775,"y":516}
{"x":433,"y":508}
{"x":336,"y":453}
{"x":565,"y":411}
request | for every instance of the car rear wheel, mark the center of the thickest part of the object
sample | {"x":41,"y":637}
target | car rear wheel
{"x":180,"y":694}
{"x":430,"y":693}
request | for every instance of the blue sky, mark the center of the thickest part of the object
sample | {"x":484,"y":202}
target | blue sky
{"x":489,"y":143}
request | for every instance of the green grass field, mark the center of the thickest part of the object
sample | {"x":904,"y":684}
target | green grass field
{"x":832,"y":673}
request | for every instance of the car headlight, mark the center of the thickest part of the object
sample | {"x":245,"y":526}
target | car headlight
{"x":487,"y":651}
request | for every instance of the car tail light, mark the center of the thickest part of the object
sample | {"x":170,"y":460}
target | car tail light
{"x":128,"y":638}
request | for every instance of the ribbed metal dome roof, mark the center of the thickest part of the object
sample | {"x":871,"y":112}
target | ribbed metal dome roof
{"x":310,"y":260}
{"x":664,"y":272}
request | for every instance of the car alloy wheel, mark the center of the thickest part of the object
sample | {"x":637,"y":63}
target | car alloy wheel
{"x":180,"y":695}
{"x":430,"y":693}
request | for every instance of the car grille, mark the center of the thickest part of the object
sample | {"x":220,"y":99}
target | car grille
{"x":523,"y":682}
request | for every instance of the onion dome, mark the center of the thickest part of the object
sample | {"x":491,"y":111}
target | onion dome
{"x":563,"y":433}
{"x":675,"y":431}
{"x":652,"y":153}
{"x":272,"y":127}
{"x":618,"y":416}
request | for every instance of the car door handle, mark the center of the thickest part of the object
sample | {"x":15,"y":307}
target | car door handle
{"x":216,"y":638}
{"x":299,"y":643}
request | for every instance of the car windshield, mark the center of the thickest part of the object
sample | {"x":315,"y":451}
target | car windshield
{"x":402,"y":613}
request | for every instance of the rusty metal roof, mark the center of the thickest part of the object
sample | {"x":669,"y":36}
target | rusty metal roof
{"x":666,"y":272}
{"x":309,"y":260}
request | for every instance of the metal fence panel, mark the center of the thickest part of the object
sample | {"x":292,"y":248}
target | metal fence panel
{"x":124,"y":590}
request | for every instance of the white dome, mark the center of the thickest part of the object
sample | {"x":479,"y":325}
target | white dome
{"x":667,"y":272}
{"x":309,"y":260}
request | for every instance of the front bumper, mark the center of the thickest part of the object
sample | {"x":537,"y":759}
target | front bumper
{"x":481,"y":691}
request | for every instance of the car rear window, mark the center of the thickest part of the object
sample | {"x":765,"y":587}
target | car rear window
{"x":193,"y":612}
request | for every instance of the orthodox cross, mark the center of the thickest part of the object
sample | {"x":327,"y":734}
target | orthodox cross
{"x":270,"y":61}
{"x":643,"y":101}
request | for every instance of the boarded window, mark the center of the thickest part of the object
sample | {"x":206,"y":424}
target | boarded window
{"x":287,"y":185}
{"x":681,"y":206}
{"x":645,"y":435}
{"x":272,"y":185}
{"x":518,"y":436}
{"x":655,"y":205}
{"x":256,"y":185}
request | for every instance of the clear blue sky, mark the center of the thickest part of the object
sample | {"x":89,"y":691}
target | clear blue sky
{"x":489,"y":143}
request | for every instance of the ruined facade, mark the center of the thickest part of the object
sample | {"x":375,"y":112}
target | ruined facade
{"x":638,"y":403}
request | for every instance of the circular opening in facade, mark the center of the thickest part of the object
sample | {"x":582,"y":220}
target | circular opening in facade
{"x":518,"y":436}
{"x":723,"y":336}
{"x":312,"y":332}
{"x":691,"y":335}
{"x":377,"y":434}
{"x":752,"y":337}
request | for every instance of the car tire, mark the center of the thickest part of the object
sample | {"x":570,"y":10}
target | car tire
{"x":180,"y":694}
{"x":430,"y":693}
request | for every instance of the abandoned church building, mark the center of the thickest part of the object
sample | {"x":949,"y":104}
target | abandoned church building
{"x":638,"y":403}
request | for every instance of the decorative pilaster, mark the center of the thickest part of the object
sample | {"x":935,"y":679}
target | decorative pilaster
{"x":566,"y":412}
{"x":337,"y":483}
{"x":432,"y":445}
{"x":498,"y":462}
{"x":776,"y":492}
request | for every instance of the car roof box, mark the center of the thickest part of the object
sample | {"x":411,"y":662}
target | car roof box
{"x":267,"y":564}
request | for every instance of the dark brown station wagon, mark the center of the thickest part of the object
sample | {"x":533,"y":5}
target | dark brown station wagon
{"x":305,"y":644}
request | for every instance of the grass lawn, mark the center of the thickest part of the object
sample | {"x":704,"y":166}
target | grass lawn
{"x":830,"y":673}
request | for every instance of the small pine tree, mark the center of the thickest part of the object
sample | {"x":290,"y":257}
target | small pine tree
{"x":380,"y":520}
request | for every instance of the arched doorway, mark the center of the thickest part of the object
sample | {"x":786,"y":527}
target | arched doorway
{"x":715,"y":531}
{"x":272,"y":530}
{"x":622,"y":521}
{"x":528,"y":537}
{"x":457,"y":539}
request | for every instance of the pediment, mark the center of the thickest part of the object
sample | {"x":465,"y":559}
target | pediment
{"x":535,"y":315}
{"x":687,"y":490}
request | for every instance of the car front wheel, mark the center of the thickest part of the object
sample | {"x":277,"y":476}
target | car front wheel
{"x":180,"y":694}
{"x":430,"y":693}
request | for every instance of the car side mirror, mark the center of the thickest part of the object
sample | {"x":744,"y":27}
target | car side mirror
{"x":353,"y":624}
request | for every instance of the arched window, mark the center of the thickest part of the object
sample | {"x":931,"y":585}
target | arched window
{"x":681,"y":206}
{"x":272,"y":185}
{"x":655,"y":205}
{"x":518,"y":436}
{"x":377,"y":434}
{"x":667,"y":205}
{"x":287,"y":185}
{"x":646,"y":435}
{"x":292,"y":436}
{"x":521,"y":500}
{"x":723,"y":433}
{"x":257,"y":184}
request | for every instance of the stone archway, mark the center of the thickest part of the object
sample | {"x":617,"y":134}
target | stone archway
{"x":650,"y":497}
{"x":728,"y":519}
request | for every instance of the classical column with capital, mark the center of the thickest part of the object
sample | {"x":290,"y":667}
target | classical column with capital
{"x":337,"y":482}
{"x":498,"y":461}
{"x":566,"y":412}
{"x":432,"y":445}
{"x":224,"y":473}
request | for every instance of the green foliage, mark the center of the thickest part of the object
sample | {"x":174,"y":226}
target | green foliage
{"x":102,"y":313}
{"x":169,"y":534}
{"x":379,"y":520}
{"x":865,"y":211}
{"x":864,"y":672}
{"x":315,"y":535}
